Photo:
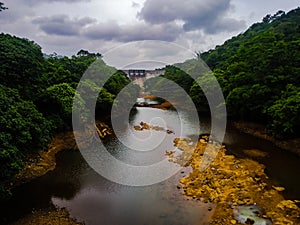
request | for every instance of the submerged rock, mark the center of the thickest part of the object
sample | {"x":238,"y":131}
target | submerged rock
{"x":255,"y":153}
{"x":145,"y":126}
{"x":233,"y":183}
{"x":250,"y":215}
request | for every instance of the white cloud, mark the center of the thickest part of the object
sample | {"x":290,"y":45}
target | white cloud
{"x":65,"y":26}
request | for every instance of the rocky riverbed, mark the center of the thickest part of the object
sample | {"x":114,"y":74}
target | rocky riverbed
{"x":232,"y":183}
{"x":48,"y":217}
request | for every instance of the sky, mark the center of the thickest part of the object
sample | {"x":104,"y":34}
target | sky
{"x":66,"y":26}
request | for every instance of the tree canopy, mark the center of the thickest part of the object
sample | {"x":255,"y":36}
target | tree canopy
{"x":37,"y":95}
{"x":2,"y":7}
{"x":258,"y":71}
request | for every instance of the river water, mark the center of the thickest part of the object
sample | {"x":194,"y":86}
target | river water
{"x":97,"y":201}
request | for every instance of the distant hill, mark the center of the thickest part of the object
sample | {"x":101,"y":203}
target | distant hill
{"x":259,"y":71}
{"x":281,"y":27}
{"x":36,"y":98}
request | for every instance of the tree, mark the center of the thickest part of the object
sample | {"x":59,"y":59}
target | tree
{"x":117,"y":82}
{"x":56,"y":104}
{"x":2,"y":7}
{"x":285,"y":112}
{"x":21,"y":65}
{"x":23,"y":131}
{"x":256,"y":66}
{"x":267,"y":18}
{"x":89,"y":54}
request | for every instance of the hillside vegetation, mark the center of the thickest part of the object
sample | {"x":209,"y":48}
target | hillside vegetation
{"x":258,"y":71}
{"x":36,"y":98}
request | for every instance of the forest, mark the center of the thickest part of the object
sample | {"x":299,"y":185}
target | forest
{"x":258,"y":70}
{"x":37,"y":98}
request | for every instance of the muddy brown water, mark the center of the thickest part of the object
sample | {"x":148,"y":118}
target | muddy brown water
{"x":97,"y":201}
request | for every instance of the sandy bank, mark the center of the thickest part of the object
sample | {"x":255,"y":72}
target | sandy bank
{"x":45,"y":161}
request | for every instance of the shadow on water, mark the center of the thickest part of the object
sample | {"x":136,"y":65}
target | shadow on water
{"x":282,"y":167}
{"x":95,"y":200}
{"x":62,"y":182}
{"x":91,"y":198}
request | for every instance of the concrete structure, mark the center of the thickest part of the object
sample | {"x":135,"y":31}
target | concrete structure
{"x":136,"y":73}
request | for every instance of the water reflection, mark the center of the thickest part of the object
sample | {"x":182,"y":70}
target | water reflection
{"x":100,"y":201}
{"x":95,"y":200}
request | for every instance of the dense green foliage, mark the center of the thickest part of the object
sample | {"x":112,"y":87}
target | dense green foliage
{"x":36,"y":98}
{"x":258,"y":71}
{"x":23,"y":131}
{"x":21,"y":65}
{"x":2,"y":7}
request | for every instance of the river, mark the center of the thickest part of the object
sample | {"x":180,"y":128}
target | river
{"x":97,"y":201}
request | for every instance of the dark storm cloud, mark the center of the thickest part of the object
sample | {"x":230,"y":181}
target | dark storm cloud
{"x":210,"y":16}
{"x":136,"y":32}
{"x":225,"y":24}
{"x":62,"y":25}
{"x":103,"y":31}
{"x":35,"y":2}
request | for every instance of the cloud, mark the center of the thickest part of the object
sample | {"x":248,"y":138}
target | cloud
{"x":63,"y":27}
{"x":135,"y":32}
{"x":225,"y":24}
{"x":38,"y":2}
{"x":103,"y":31}
{"x":207,"y":15}
{"x":62,"y":24}
{"x":135,"y":5}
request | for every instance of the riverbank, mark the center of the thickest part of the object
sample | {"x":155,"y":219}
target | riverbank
{"x":260,"y":131}
{"x":232,"y":183}
{"x":163,"y":104}
{"x":45,"y":161}
{"x":51,"y":216}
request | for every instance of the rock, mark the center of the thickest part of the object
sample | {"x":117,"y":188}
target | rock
{"x":278,"y":188}
{"x":43,"y":164}
{"x":145,"y":126}
{"x":255,"y":153}
{"x":231,"y":180}
{"x":169,"y":153}
{"x":250,"y":221}
{"x":138,"y":128}
{"x":203,"y":141}
{"x":233,"y":221}
{"x":169,"y":132}
{"x":287,"y":204}
{"x":157,"y":128}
